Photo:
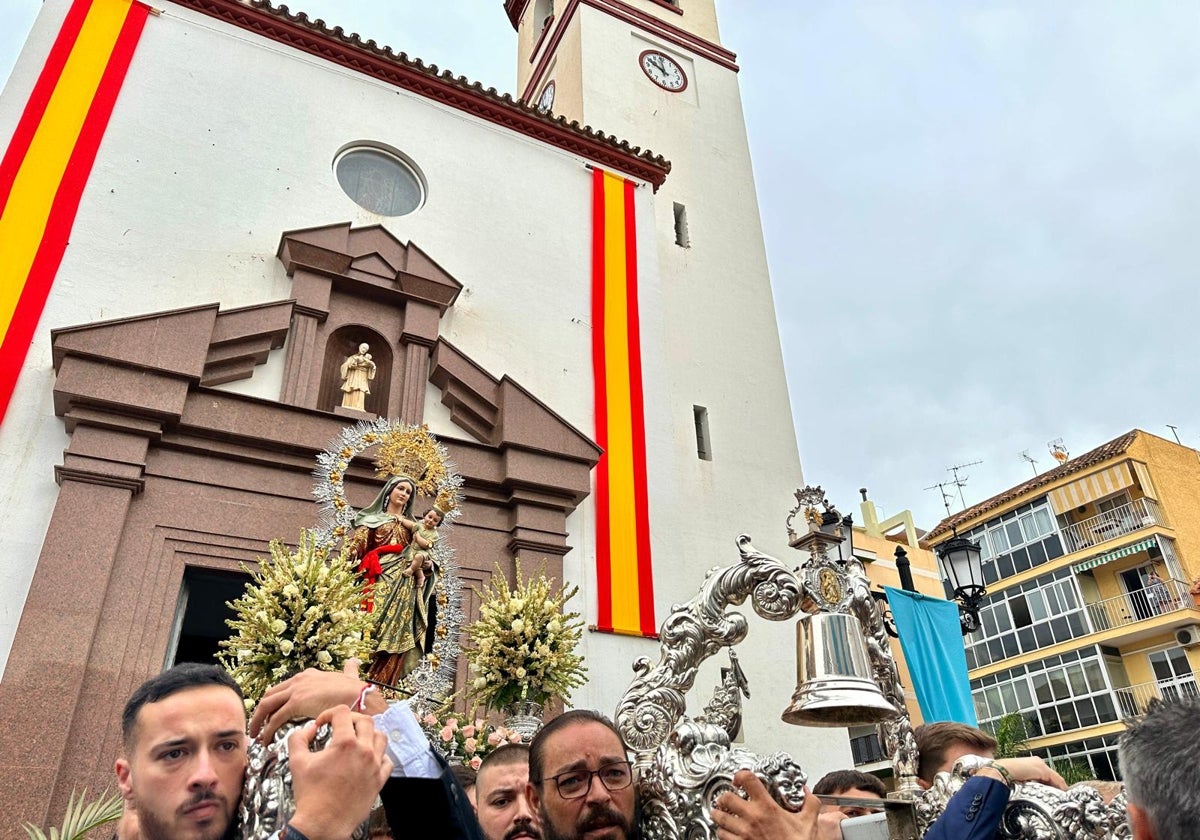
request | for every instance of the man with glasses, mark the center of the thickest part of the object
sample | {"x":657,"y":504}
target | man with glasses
{"x":580,"y":779}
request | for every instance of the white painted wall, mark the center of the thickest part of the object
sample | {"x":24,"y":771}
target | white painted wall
{"x":221,"y":141}
{"x":712,"y":313}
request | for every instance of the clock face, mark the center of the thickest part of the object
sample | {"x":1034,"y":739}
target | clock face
{"x":663,"y":70}
{"x":546,"y":100}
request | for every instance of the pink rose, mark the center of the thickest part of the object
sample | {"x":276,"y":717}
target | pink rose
{"x":479,"y":721}
{"x":447,"y":733}
{"x":429,"y":719}
{"x":514,"y":738}
{"x":475,"y":762}
{"x":494,"y":738}
{"x":468,"y":731}
{"x":453,"y":724}
{"x":469,"y":745}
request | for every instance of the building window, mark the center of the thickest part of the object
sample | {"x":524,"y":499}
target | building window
{"x":1057,"y":694}
{"x":1018,"y":541}
{"x":543,"y":13}
{"x":379,"y":180}
{"x":1021,"y":619}
{"x":681,"y":226}
{"x":1173,"y":674}
{"x":1100,"y":754}
{"x":703,"y":444}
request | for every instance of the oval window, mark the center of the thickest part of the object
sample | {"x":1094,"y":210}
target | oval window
{"x":378,"y":181}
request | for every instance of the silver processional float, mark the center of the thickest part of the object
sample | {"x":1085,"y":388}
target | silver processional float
{"x":846,"y":677}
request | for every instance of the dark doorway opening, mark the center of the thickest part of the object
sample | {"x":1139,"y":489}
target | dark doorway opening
{"x":202,"y":613}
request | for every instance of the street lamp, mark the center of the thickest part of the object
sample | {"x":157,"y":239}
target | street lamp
{"x":962,"y":565}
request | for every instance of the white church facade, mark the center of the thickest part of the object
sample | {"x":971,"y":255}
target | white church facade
{"x":266,"y":194}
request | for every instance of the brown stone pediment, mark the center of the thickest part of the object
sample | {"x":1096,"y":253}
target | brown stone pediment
{"x":372,"y":256}
{"x":164,"y":475}
{"x":174,"y":342}
{"x":501,"y":410}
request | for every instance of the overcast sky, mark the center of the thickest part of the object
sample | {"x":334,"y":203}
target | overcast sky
{"x":980,"y":218}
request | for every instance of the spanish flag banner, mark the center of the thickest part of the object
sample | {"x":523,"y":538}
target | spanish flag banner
{"x":625,"y":584}
{"x":47,"y":163}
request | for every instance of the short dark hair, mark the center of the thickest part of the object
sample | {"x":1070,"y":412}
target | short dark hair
{"x":537,"y":747}
{"x":506,"y":754}
{"x":173,"y":680}
{"x":935,"y":739}
{"x":1161,"y":775}
{"x":465,"y":774}
{"x":831,"y":784}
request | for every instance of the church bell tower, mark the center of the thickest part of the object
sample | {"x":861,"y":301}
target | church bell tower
{"x":655,"y":73}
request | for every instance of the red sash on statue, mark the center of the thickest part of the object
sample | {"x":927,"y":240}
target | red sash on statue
{"x":370,"y":569}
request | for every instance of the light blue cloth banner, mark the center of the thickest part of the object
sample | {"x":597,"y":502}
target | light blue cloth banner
{"x":932,"y":641}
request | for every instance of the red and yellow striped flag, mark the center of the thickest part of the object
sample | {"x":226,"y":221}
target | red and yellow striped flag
{"x":47,"y":163}
{"x":625,"y":582}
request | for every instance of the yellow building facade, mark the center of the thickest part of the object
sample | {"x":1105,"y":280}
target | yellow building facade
{"x":876,"y":543}
{"x":1088,"y":615}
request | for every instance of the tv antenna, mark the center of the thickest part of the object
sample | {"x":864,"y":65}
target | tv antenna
{"x":1058,"y":450}
{"x":1025,"y":456}
{"x":959,"y":482}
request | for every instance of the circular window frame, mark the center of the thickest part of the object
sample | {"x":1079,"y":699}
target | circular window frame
{"x":403,"y":161}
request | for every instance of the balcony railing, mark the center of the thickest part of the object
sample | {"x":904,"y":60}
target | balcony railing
{"x":1134,"y":699}
{"x":1140,"y":513}
{"x":1141,"y":604}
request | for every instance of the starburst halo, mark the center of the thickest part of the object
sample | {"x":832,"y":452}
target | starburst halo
{"x":402,"y":447}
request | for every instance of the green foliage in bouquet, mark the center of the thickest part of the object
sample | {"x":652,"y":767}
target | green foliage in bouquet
{"x":300,"y":611}
{"x":522,"y":648}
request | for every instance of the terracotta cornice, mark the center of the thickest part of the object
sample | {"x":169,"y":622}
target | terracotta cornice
{"x":668,"y":5}
{"x":623,"y":11}
{"x":514,"y":9}
{"x":413,"y":75}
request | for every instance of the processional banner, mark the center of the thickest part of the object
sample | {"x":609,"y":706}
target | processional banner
{"x":929,"y":631}
{"x":625,"y":586}
{"x":48,"y":160}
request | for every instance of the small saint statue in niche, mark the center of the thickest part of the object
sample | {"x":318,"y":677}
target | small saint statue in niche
{"x":357,"y":371}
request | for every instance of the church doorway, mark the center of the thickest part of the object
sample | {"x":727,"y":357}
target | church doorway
{"x":201,"y":614}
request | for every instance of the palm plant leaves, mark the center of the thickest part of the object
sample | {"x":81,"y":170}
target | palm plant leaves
{"x":81,"y":817}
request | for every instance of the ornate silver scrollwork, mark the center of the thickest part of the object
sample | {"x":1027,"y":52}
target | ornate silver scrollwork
{"x":654,"y":701}
{"x":267,"y":799}
{"x":1035,"y":811}
{"x":693,"y":768}
{"x":685,"y":763}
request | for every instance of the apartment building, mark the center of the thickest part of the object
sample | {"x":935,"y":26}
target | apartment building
{"x":1088,"y":616}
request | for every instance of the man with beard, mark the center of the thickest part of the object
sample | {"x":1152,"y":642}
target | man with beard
{"x":183,"y":760}
{"x":502,"y":796}
{"x":581,"y":780}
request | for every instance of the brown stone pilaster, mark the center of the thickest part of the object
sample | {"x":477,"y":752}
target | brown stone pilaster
{"x":302,"y":367}
{"x":101,"y":472}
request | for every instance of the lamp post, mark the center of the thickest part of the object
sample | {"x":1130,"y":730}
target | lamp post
{"x":962,"y":565}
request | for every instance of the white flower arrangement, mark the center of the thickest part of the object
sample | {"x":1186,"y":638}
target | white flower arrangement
{"x":522,"y":648}
{"x":300,"y":611}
